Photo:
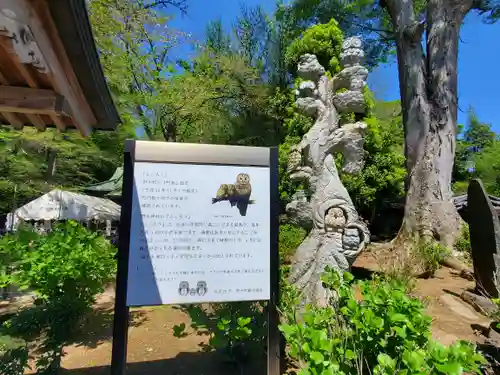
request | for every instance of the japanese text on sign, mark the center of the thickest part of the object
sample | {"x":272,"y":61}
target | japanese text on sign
{"x":199,"y":233}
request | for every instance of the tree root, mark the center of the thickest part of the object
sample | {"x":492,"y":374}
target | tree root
{"x":480,"y":303}
{"x":453,"y":263}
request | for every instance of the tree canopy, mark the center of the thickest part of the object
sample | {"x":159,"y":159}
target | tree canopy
{"x":237,"y":89}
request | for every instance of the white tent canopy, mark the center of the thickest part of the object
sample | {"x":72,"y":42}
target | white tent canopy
{"x":65,"y":205}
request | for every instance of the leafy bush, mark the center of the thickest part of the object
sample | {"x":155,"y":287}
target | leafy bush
{"x":13,"y":355}
{"x":322,"y":40}
{"x":432,"y":254}
{"x":65,"y":268}
{"x":290,"y":238}
{"x":462,"y":245}
{"x":386,"y":332}
{"x":237,"y":330}
{"x":67,"y":262}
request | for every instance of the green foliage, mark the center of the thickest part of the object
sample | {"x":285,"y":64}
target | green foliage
{"x":478,"y":134}
{"x":236,"y":330}
{"x":495,"y":315}
{"x":289,"y":240}
{"x":293,"y":126}
{"x":431,"y":255}
{"x":366,"y":18}
{"x":382,"y":177}
{"x":476,"y":156}
{"x":356,"y":18}
{"x":13,"y":355}
{"x":68,"y":262}
{"x":24,"y":161}
{"x":134,"y":40}
{"x":487,"y":168}
{"x":475,"y":142}
{"x":323,"y":40}
{"x":463,"y":242}
{"x":66,"y":268}
{"x":222,"y":100}
{"x":385,"y":332}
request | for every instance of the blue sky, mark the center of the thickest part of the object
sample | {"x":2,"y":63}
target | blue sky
{"x":479,"y":75}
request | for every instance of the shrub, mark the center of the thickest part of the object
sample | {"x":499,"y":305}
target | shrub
{"x":462,"y":245}
{"x":386,"y":332}
{"x":66,"y":268}
{"x":13,"y":356}
{"x":290,"y":238}
{"x":238,"y":330}
{"x":322,"y":40}
{"x":432,"y":254}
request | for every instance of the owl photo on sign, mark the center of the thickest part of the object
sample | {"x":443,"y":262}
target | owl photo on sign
{"x":237,"y":194}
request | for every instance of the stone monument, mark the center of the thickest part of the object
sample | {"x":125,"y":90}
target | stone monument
{"x":484,"y":230}
{"x":337,"y":234}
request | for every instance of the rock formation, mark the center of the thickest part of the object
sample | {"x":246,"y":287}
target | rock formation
{"x":484,"y":228}
{"x":337,"y":234}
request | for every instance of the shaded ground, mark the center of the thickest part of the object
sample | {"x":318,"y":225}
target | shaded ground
{"x":152,"y":349}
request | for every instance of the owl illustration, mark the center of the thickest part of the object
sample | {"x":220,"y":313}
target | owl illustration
{"x":184,"y":288}
{"x":225,"y":192}
{"x":201,"y":288}
{"x":237,"y":194}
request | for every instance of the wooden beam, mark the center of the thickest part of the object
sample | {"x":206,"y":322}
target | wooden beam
{"x":35,"y":15}
{"x":37,"y":121}
{"x":35,"y":101}
{"x":58,"y":122}
{"x":46,"y":35}
{"x":13,"y":120}
{"x":9,"y":49}
{"x":33,"y":118}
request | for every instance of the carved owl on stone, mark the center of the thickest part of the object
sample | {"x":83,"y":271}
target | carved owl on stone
{"x":294,"y":160}
{"x":335,"y":220}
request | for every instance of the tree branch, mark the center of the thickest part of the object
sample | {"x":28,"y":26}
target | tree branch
{"x":414,"y":31}
{"x":179,"y":4}
{"x":401,"y":13}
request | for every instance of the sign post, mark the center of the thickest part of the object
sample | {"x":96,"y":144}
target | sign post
{"x":199,"y":224}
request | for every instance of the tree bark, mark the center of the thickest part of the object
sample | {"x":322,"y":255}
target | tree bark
{"x":428,"y":85}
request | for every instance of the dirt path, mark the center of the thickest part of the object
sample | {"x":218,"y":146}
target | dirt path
{"x":153,"y":350}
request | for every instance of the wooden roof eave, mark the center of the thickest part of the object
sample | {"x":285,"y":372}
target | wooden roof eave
{"x":50,"y":43}
{"x":75,"y":32}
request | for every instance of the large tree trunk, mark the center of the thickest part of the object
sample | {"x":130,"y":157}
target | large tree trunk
{"x":428,"y":85}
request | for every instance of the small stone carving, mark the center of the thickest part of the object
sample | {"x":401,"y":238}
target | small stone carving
{"x":309,"y":68}
{"x":335,"y":220}
{"x":294,"y":159}
{"x":352,"y":52}
{"x":337,"y":234}
{"x":484,"y":230}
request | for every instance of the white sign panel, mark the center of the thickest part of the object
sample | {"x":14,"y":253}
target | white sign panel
{"x":199,"y":233}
